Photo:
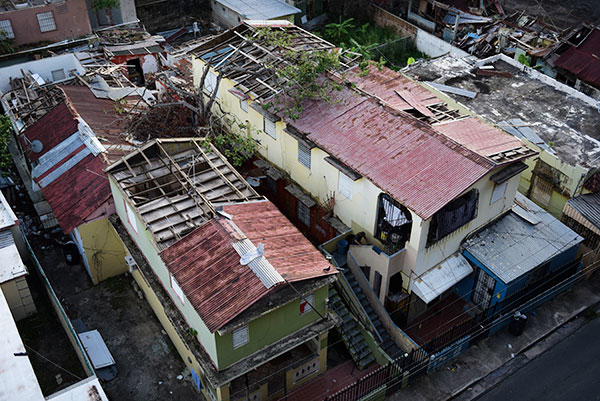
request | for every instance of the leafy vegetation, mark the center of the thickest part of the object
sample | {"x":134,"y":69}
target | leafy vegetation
{"x":372,"y":42}
{"x":6,"y":44}
{"x":5,"y":135}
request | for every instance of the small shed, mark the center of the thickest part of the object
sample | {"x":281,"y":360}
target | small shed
{"x":230,"y":13}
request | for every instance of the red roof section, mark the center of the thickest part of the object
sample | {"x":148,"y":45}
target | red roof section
{"x":583,"y":60}
{"x":102,"y":116}
{"x":478,"y":136}
{"x":78,"y":192}
{"x":208,"y":269}
{"x":408,"y":159}
{"x":54,"y":127}
{"x":288,"y":251}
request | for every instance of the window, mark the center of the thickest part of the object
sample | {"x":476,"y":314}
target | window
{"x":177,"y":289}
{"x":542,"y":191}
{"x":58,"y":75}
{"x":345,"y":184}
{"x":306,"y":304}
{"x":394,"y":224}
{"x":244,"y":105}
{"x":240,"y":336}
{"x":46,"y":21}
{"x":210,"y":83}
{"x":304,"y":155}
{"x":303,"y":213}
{"x":453,"y":216}
{"x":498,"y":193}
{"x":131,"y":217}
{"x":270,"y":128}
{"x":6,"y":26}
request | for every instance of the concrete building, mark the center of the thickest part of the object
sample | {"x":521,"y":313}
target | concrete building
{"x":230,"y":13}
{"x":241,"y":293}
{"x":13,"y":272}
{"x":32,"y":22}
{"x":552,"y":118}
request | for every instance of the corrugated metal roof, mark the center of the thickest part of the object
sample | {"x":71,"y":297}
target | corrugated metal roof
{"x":207,"y":266}
{"x":513,"y":246}
{"x":479,"y":136}
{"x":7,"y":216}
{"x":588,"y":205}
{"x":260,"y":9}
{"x":583,"y":60}
{"x":417,"y":166}
{"x":435,"y":281}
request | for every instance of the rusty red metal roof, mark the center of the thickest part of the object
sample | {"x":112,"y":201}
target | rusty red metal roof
{"x":290,"y":253}
{"x":102,"y":116}
{"x":478,"y":136}
{"x":583,"y":60}
{"x":407,"y":158}
{"x":208,"y":269}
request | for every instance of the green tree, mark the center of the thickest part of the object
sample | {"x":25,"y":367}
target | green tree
{"x":5,"y":135}
{"x":105,"y":5}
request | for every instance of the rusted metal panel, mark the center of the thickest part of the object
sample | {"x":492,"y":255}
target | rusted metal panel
{"x":479,"y":136}
{"x":583,"y":60}
{"x":417,"y":166}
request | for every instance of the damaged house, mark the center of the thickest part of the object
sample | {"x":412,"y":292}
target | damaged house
{"x":240,"y":291}
{"x":66,"y":133}
{"x":406,"y":174}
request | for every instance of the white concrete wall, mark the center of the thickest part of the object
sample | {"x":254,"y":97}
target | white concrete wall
{"x":43,"y":67}
{"x":434,"y":46}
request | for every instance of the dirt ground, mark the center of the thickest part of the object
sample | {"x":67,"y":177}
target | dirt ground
{"x":147,"y":361}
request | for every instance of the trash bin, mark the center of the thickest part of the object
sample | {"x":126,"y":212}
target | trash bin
{"x":342,"y":247}
{"x":517,"y":324}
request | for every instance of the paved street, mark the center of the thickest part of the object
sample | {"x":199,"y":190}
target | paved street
{"x":569,"y":371}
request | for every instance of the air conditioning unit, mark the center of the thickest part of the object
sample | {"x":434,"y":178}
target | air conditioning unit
{"x":131,"y":263}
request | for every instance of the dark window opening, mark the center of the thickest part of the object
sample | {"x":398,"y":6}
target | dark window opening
{"x":394,"y":223}
{"x":453,"y":216}
{"x":135,"y":72}
{"x":366,"y":271}
{"x":377,"y":284}
{"x":395,"y":284}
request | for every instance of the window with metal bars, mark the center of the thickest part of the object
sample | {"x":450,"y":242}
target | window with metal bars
{"x":304,"y":155}
{"x":303,"y":213}
{"x":394,"y":223}
{"x":46,"y":21}
{"x":6,"y":27}
{"x":270,"y":128}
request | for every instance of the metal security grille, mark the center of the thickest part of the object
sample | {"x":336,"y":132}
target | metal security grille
{"x":46,"y":21}
{"x":304,"y":155}
{"x":270,"y":128}
{"x":542,"y":191}
{"x":303,"y":213}
{"x":484,"y":289}
{"x":6,"y":27}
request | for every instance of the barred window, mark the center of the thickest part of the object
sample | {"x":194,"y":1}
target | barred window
{"x":270,"y":128}
{"x":303,"y":213}
{"x":304,"y":155}
{"x":46,"y":21}
{"x":6,"y":27}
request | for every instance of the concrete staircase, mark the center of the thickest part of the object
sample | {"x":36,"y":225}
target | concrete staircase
{"x":350,"y":332}
{"x":385,"y":340}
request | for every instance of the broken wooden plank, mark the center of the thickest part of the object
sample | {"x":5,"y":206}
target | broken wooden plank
{"x":414,"y":102}
{"x":493,"y":73}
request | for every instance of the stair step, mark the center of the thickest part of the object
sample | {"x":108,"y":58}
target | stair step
{"x":387,"y":344}
{"x":370,"y":312}
{"x":334,"y":298}
{"x":349,"y":325}
{"x":346,"y":317}
{"x":363,"y":363}
{"x":362,"y":297}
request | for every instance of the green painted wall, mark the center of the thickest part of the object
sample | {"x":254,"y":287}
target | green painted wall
{"x":269,"y":328}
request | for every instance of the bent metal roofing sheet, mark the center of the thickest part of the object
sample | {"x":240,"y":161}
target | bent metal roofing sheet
{"x":207,"y":267}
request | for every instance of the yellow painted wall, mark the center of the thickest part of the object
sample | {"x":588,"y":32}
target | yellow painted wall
{"x":104,"y":251}
{"x":360,"y":211}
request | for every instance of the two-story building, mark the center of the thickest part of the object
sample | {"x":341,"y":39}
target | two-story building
{"x":240,"y":291}
{"x":386,"y":156}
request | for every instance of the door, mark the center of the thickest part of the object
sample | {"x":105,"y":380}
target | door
{"x":484,"y":289}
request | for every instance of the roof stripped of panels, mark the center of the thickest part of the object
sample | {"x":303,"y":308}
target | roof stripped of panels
{"x":175,"y":183}
{"x":206,"y":263}
{"x":401,"y":93}
{"x":408,"y":159}
{"x":583,"y":60}
{"x":250,"y":62}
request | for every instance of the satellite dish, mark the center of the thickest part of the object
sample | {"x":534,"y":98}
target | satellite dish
{"x":36,"y":146}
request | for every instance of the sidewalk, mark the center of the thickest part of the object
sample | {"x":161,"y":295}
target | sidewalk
{"x":460,"y":375}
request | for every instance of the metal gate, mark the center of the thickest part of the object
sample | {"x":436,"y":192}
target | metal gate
{"x":484,"y":289}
